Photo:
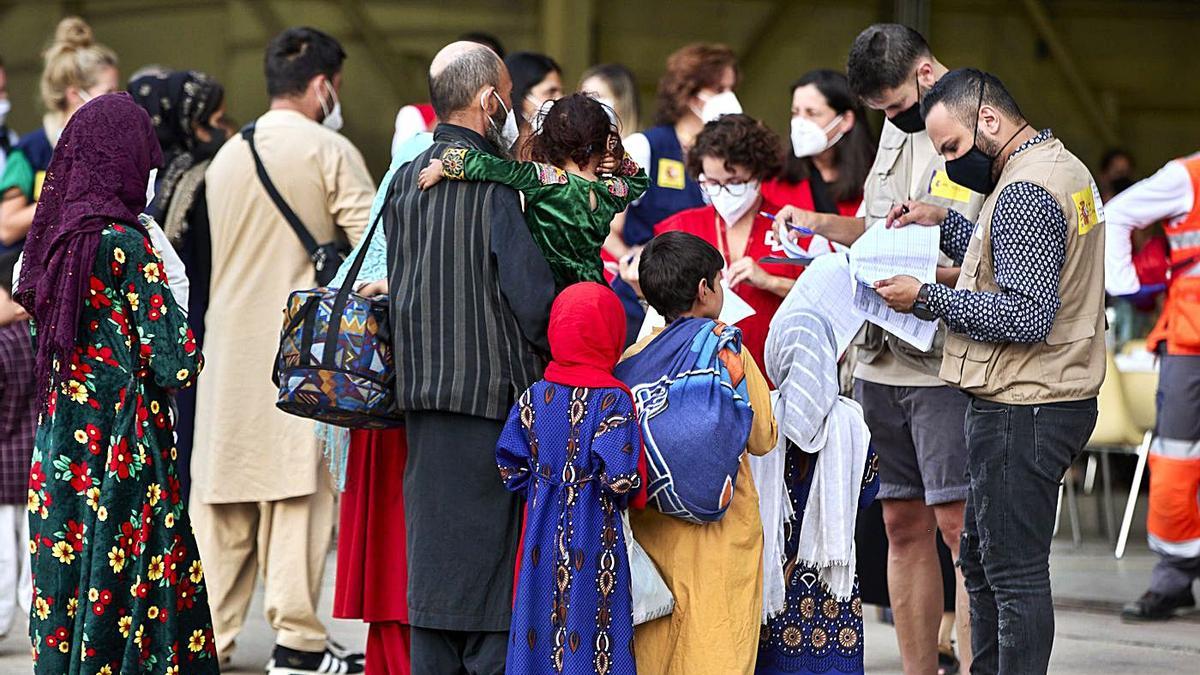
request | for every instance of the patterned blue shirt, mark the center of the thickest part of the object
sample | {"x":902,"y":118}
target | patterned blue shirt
{"x":1029,"y":248}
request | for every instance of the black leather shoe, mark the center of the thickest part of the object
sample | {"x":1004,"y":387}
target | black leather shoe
{"x":1158,"y":607}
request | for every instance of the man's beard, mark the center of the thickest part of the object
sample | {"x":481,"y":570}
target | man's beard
{"x":492,"y":133}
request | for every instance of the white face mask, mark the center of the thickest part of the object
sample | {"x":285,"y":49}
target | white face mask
{"x":5,"y":107}
{"x":725,"y":103}
{"x":333,"y":116}
{"x":809,"y":138}
{"x":509,"y":134}
{"x":733,"y":204}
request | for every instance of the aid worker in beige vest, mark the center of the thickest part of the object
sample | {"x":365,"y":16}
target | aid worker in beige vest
{"x":1026,"y":341}
{"x":914,"y":417}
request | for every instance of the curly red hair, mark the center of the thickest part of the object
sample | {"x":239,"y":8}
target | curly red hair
{"x":738,"y":140}
{"x":690,"y":69}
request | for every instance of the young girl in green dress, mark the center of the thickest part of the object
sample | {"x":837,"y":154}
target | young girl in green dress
{"x":573,"y":188}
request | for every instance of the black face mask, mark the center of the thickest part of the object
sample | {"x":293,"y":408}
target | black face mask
{"x":974,"y":169}
{"x":909,"y":120}
{"x":203,"y":150}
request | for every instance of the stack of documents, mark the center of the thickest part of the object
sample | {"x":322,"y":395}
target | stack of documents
{"x":841,"y":286}
{"x":882,"y":253}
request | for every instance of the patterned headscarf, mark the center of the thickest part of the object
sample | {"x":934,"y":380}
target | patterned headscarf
{"x":97,"y":177}
{"x":177,"y":102}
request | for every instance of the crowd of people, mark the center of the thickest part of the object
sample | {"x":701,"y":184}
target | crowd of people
{"x":599,"y":470}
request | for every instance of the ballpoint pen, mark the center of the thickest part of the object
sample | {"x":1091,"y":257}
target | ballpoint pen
{"x":794,"y":228}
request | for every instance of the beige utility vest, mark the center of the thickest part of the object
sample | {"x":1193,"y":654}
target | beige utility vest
{"x":1069,"y":364}
{"x":891,"y":183}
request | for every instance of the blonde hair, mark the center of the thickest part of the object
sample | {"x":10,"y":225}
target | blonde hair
{"x":73,"y":59}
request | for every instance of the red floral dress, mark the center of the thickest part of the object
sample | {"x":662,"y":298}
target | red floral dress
{"x":118,"y":585}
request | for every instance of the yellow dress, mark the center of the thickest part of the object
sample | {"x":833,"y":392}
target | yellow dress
{"x":714,"y":570}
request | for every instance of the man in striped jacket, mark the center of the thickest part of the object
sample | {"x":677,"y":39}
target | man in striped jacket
{"x":470,"y":299}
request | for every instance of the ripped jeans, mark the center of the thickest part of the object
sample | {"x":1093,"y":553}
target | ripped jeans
{"x":1017,"y":455}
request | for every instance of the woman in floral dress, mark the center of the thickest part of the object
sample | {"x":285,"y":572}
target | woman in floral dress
{"x":118,"y":585}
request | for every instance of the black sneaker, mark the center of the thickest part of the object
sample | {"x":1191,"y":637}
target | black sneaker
{"x":342,"y":651}
{"x":291,"y":662}
{"x":1158,"y":607}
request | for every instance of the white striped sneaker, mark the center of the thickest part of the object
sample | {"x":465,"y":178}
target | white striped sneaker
{"x":342,"y":651}
{"x":291,"y":662}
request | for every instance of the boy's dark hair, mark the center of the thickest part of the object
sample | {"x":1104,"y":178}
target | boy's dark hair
{"x":738,"y":140}
{"x":296,"y":56}
{"x":576,"y":128}
{"x":671,"y":266}
{"x":8,"y":263}
{"x":882,"y":57}
{"x":958,"y":90}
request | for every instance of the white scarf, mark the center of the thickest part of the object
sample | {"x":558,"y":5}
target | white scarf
{"x":775,"y":509}
{"x":827,"y":530}
{"x":801,"y":358}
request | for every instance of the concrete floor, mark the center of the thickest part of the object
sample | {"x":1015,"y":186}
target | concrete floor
{"x":1089,"y":584}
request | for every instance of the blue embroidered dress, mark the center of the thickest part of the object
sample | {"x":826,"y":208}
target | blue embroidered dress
{"x":573,"y":452}
{"x":816,"y":634}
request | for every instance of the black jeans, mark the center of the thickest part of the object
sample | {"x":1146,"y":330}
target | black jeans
{"x":1017,"y":455}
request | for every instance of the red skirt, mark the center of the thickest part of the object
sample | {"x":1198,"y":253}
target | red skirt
{"x":372,"y":576}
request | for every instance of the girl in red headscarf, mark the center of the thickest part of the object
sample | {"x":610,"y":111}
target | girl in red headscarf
{"x":572,"y":446}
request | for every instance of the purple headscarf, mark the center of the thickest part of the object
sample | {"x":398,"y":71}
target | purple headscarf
{"x":97,"y":176}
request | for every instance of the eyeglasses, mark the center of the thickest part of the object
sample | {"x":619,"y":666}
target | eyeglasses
{"x":735,"y":188}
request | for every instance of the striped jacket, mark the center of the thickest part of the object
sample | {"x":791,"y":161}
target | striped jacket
{"x":470,"y":292}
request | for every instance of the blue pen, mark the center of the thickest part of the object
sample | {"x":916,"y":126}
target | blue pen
{"x":794,"y":228}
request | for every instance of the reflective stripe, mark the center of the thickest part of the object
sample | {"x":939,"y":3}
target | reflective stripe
{"x":1189,"y":239}
{"x":1175,"y":448}
{"x":1183,"y":549}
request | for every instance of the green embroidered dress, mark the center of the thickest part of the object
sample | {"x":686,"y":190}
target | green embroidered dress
{"x":567,"y":226}
{"x":118,"y":585}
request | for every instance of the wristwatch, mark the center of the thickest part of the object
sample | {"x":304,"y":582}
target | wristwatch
{"x":920,"y":308}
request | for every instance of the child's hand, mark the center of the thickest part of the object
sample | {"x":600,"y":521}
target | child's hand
{"x":608,"y":164}
{"x":430,"y":175}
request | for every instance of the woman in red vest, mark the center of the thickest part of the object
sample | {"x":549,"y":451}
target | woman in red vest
{"x":731,"y":159}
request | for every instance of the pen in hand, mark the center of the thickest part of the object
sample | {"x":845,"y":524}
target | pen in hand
{"x":794,"y":228}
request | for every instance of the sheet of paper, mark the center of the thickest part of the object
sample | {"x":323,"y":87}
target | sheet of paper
{"x":870,"y":306}
{"x":826,"y":288}
{"x":734,"y":310}
{"x":817,"y":246}
{"x":882,"y":252}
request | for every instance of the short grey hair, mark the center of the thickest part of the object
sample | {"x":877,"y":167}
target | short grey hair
{"x":453,"y":89}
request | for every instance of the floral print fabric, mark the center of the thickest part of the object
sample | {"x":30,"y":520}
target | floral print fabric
{"x":118,"y":584}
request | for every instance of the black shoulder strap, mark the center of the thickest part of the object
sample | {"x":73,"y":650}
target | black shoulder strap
{"x":289,"y":215}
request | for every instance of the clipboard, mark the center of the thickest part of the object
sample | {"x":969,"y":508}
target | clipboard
{"x":802,"y":262}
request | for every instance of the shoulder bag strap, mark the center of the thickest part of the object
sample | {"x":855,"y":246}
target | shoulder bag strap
{"x":289,"y":215}
{"x":343,"y":292}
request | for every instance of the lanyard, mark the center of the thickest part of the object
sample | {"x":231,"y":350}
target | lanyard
{"x":722,"y":241}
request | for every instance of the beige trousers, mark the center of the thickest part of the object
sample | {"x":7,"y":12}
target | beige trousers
{"x":289,"y":541}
